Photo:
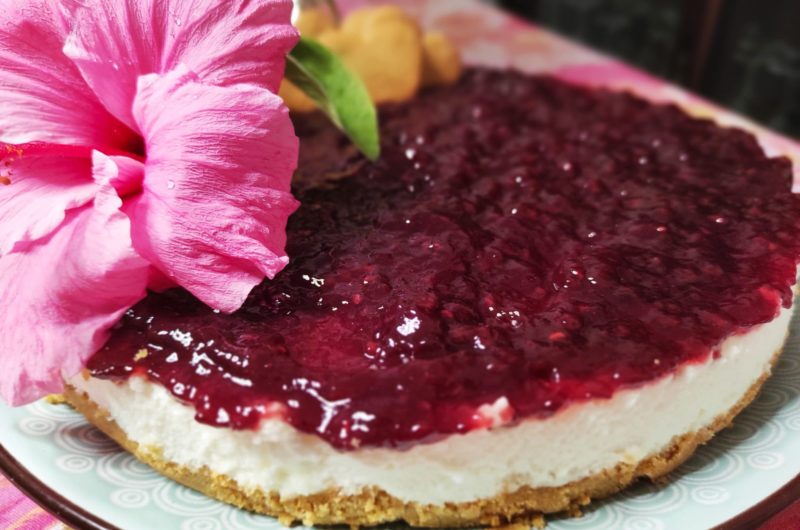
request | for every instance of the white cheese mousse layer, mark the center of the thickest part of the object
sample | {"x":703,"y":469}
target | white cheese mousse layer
{"x":581,"y":440}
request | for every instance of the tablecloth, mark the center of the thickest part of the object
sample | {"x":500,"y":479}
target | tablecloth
{"x":18,"y":512}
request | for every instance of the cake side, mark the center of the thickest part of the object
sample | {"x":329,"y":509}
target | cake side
{"x":742,"y":367}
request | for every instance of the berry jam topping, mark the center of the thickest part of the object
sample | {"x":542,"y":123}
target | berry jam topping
{"x":520,"y":237}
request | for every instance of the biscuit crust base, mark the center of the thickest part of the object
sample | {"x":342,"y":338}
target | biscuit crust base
{"x":525,"y":506}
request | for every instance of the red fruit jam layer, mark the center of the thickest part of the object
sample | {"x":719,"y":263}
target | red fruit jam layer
{"x":519,"y":237}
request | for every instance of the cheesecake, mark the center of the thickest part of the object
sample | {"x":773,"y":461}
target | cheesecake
{"x":539,"y":294}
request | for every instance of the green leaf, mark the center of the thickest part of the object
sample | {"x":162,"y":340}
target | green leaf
{"x":339,"y":93}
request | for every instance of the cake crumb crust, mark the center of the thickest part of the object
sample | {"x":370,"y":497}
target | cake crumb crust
{"x":56,"y":399}
{"x":517,"y":510}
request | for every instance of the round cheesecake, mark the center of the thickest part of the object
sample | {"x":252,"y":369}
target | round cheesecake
{"x":538,"y":294}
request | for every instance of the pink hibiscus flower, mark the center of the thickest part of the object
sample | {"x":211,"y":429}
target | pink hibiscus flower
{"x":141,"y":146}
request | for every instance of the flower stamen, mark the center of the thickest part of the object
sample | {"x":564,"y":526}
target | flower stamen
{"x":12,"y":153}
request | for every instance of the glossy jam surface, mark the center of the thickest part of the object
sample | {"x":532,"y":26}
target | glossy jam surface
{"x":519,"y":237}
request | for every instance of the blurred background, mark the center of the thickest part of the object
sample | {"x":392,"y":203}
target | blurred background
{"x":744,"y":54}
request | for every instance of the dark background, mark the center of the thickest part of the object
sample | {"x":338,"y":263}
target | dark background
{"x":744,"y":54}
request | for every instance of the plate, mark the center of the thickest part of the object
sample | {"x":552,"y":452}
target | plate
{"x":745,"y":474}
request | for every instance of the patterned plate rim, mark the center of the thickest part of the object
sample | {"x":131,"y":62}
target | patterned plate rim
{"x":79,"y":518}
{"x":65,"y":510}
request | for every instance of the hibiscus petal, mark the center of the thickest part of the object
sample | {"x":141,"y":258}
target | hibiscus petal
{"x":227,"y":42}
{"x":224,"y":41}
{"x":61,"y":295}
{"x":125,"y":174}
{"x":44,"y":97}
{"x":42,"y":182}
{"x":213,"y":211}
